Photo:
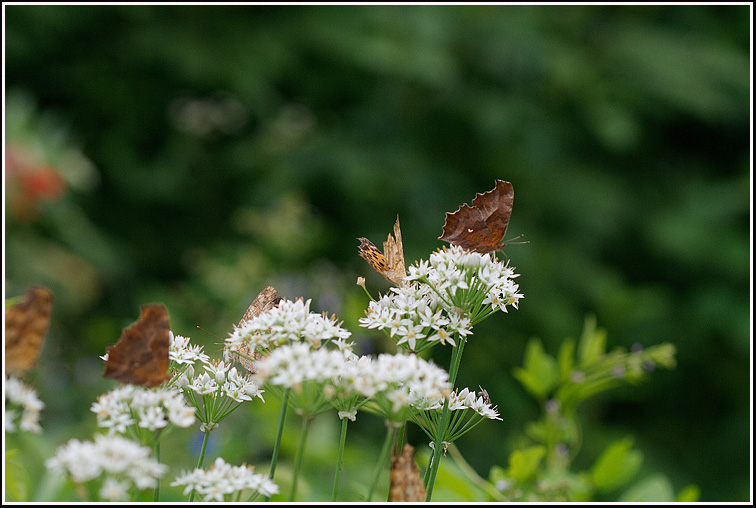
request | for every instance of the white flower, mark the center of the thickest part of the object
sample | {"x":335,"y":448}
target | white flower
{"x":151,"y":418}
{"x":223,"y":480}
{"x":121,"y":460}
{"x":151,"y":409}
{"x":181,"y":351}
{"x":203,"y":384}
{"x":289,"y":321}
{"x":114,"y":490}
{"x":21,"y":401}
{"x":395,"y":383}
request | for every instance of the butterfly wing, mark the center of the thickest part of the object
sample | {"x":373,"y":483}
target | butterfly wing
{"x":140,"y":356}
{"x":394,"y":251}
{"x":389,"y":263}
{"x":265,"y":300}
{"x":482,"y":226}
{"x":25,"y":327}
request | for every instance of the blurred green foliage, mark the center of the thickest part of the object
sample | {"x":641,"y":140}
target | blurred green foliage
{"x":191,"y":155}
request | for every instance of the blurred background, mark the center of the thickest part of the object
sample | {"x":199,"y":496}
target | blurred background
{"x":191,"y":155}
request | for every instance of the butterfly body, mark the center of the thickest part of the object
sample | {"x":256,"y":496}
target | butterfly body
{"x":482,"y":226}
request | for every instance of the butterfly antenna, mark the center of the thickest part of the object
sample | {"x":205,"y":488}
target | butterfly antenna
{"x":510,"y":242}
{"x":211,"y":333}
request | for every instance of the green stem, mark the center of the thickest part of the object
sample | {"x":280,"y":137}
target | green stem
{"x":435,"y":459}
{"x":342,"y":441}
{"x":156,"y":497}
{"x":279,"y":433}
{"x":385,"y":451}
{"x":306,"y":419}
{"x":201,"y":459}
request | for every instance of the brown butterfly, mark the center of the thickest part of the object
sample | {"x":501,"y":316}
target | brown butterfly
{"x":267,"y":299}
{"x":140,"y":356}
{"x":482,"y":226}
{"x":390,"y":262}
{"x":25,"y":326}
{"x":406,"y":484}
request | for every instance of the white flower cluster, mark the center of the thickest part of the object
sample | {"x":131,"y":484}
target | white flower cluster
{"x":21,"y":402}
{"x":459,"y":276}
{"x":394,"y":382}
{"x":150,"y":409}
{"x":220,"y":378}
{"x":399,"y":384}
{"x":467,"y":399}
{"x":415,"y":317}
{"x":123,"y":462}
{"x":455,"y":289}
{"x":289,"y":321}
{"x":222,"y":480}
{"x":292,"y":364}
{"x":181,"y":352}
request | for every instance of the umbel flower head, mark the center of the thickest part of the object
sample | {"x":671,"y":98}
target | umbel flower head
{"x":221,"y":390}
{"x":398,"y":384}
{"x":468,"y":280}
{"x":288,"y":322}
{"x":181,"y":351}
{"x":22,"y":404}
{"x":149,"y":409}
{"x":117,"y":462}
{"x":452,"y":291}
{"x":224,"y":482}
{"x":315,"y":376}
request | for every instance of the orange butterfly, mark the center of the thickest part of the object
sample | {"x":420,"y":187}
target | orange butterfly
{"x":390,"y":262}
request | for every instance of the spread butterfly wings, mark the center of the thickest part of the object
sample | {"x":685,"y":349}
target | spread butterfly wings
{"x":140,"y":356}
{"x":390,"y":262}
{"x":482,"y":226}
{"x":25,"y":326}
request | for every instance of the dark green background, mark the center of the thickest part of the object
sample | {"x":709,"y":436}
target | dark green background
{"x":624,"y":130}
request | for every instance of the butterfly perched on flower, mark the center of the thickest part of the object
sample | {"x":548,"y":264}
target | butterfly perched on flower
{"x":141,"y":355}
{"x":264,"y":301}
{"x":390,"y":262}
{"x":482,"y":226}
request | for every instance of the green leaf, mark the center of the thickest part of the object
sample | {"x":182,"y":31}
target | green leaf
{"x":16,"y":478}
{"x":592,"y":343}
{"x":566,"y":358}
{"x":655,"y":488}
{"x":523,"y":464}
{"x":616,"y":465}
{"x":497,"y":473}
{"x":540,"y":373}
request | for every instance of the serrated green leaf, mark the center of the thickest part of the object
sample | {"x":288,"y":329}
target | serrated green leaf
{"x":616,"y":466}
{"x":654,"y":489}
{"x":524,"y":463}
